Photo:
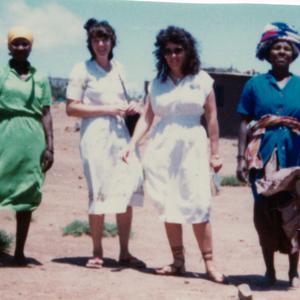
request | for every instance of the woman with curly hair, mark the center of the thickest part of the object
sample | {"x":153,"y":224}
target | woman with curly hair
{"x":176,"y":161}
{"x":269,"y":143}
{"x":96,"y":94}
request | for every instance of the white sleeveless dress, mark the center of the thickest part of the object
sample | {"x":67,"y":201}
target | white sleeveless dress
{"x":176,"y":161}
{"x":112,"y":184}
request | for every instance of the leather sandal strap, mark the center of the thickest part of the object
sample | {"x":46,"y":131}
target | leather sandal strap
{"x":207,"y":255}
{"x":178,"y":253}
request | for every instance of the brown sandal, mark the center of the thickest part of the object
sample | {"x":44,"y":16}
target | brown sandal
{"x":216,"y":277}
{"x":213,"y":274}
{"x":177,"y":267}
{"x":170,"y":270}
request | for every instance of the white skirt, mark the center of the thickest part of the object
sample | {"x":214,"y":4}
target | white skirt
{"x":177,"y":174}
{"x":112,"y":184}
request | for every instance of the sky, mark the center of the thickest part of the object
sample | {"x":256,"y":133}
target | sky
{"x":227,"y":34}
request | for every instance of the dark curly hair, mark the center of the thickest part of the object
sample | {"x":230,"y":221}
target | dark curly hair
{"x":100,"y":29}
{"x":179,"y":36}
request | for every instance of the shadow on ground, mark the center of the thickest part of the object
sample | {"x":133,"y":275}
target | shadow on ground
{"x":8,"y":261}
{"x":256,"y":282}
{"x":81,"y":261}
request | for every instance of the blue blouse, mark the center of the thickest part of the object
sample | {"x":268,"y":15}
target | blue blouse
{"x":261,"y":96}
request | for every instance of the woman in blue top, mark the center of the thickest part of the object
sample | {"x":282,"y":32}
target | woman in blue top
{"x":275,"y":96}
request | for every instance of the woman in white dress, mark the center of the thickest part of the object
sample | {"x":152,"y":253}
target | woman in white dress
{"x":95,"y":94}
{"x":176,"y":160}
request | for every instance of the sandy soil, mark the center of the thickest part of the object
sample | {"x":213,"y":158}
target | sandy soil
{"x":60,"y":271}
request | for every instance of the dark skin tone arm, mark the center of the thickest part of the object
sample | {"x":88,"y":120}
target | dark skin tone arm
{"x":242,"y":144}
{"x":48,"y":156}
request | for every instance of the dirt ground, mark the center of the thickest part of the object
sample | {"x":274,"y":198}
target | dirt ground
{"x":60,"y":273}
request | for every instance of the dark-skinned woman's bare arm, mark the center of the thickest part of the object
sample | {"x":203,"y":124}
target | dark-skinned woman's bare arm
{"x":241,"y":170}
{"x":48,"y":156}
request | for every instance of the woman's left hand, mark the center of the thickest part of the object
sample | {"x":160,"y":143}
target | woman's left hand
{"x":133,"y":108}
{"x":216,"y":163}
{"x":47,"y":161}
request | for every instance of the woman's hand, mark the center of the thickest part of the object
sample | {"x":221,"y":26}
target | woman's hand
{"x":119,"y":110}
{"x":134,"y":108}
{"x":216,"y":163}
{"x":127,"y":152}
{"x":47,"y":160}
{"x":241,"y":170}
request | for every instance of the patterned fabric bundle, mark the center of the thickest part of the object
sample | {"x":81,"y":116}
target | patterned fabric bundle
{"x":277,"y":31}
{"x":258,"y":130}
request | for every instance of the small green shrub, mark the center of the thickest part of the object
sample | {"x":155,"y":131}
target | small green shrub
{"x":78,"y":228}
{"x":110,"y":229}
{"x":6,"y":241}
{"x":231,"y":181}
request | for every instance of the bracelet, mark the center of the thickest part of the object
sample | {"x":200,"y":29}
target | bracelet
{"x":240,"y":156}
{"x":216,"y":156}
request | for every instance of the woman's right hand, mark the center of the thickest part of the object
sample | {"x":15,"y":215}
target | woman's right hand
{"x":241,"y":171}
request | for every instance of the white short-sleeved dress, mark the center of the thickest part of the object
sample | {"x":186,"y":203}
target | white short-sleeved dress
{"x":176,"y":161}
{"x":112,"y":184}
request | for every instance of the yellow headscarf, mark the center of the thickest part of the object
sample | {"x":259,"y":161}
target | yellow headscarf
{"x":19,"y":32}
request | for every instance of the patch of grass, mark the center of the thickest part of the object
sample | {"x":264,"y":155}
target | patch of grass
{"x":78,"y":228}
{"x":110,"y":229}
{"x":231,"y":181}
{"x":6,"y":241}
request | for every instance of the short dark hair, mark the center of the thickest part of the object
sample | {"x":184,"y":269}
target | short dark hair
{"x":100,"y":29}
{"x":182,"y":37}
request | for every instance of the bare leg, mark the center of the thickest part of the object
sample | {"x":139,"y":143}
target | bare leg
{"x":203,"y":236}
{"x":96,"y":226}
{"x":23,"y":224}
{"x":174,"y":234}
{"x":293,"y":271}
{"x":124,"y":226}
{"x":270,"y":269}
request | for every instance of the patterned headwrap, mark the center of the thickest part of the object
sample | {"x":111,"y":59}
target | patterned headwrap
{"x":277,"y":31}
{"x":19,"y":32}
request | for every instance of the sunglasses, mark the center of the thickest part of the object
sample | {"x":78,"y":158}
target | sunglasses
{"x":170,"y":51}
{"x":103,"y":38}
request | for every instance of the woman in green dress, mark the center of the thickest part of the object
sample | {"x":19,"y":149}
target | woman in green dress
{"x":26,"y":140}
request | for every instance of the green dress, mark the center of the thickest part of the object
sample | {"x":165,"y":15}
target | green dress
{"x":22,"y":138}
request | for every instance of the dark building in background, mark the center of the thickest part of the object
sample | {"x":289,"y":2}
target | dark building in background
{"x":228,"y":88}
